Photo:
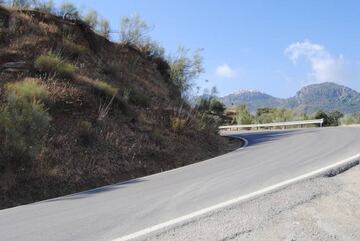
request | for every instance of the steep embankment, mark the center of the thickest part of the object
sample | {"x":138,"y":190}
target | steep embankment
{"x":145,"y":130}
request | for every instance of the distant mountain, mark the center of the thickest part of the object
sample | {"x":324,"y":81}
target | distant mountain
{"x":325,"y":96}
{"x":252,"y":98}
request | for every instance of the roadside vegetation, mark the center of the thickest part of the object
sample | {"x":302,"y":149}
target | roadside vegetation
{"x":350,"y":119}
{"x":241,"y":115}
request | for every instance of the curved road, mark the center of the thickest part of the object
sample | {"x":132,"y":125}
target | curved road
{"x":114,"y":211}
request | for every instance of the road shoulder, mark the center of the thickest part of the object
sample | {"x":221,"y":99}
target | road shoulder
{"x":322,"y":208}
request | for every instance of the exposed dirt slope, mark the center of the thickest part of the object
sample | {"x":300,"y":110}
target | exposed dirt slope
{"x":135,"y":139}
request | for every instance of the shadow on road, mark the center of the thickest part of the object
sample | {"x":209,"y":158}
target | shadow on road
{"x":255,"y":138}
{"x":99,"y":190}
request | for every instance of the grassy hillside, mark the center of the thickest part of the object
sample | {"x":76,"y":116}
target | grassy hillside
{"x":94,"y":112}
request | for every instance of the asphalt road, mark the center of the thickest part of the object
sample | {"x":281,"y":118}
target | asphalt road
{"x":113,"y":211}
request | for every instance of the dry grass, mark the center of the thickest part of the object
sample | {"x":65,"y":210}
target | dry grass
{"x":51,"y":63}
{"x":29,"y":88}
{"x":105,"y":88}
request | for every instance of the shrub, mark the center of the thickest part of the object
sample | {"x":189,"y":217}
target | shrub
{"x":45,"y":6}
{"x":29,"y":89}
{"x":22,"y":4}
{"x":69,"y":8}
{"x":73,"y":49}
{"x":178,"y":123}
{"x":331,"y":118}
{"x":134,"y":30}
{"x":91,"y":18}
{"x":350,"y":119}
{"x":105,"y":88}
{"x":86,"y":133}
{"x":335,"y":117}
{"x":243,"y":116}
{"x":184,"y":70}
{"x":23,"y":124}
{"x":210,"y":105}
{"x":51,"y":63}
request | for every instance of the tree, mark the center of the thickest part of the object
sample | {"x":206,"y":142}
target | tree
{"x":185,"y":69}
{"x":210,"y":105}
{"x":68,"y":8}
{"x":134,"y":30}
{"x":331,"y":118}
{"x":243,"y":116}
{"x":322,"y":115}
{"x":335,"y":117}
{"x":217,"y":107}
{"x":104,"y":28}
{"x":47,"y":6}
{"x":91,"y":18}
{"x":20,"y":3}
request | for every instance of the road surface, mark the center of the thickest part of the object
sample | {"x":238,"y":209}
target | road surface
{"x":117,"y":210}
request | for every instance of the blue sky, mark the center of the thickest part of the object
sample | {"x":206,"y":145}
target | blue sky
{"x":272,"y":46}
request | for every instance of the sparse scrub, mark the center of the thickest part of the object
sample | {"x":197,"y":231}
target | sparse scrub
{"x":153,"y":49}
{"x":178,"y":123}
{"x":184,"y":70}
{"x":72,"y":49}
{"x":51,"y":63}
{"x":69,"y":8}
{"x":243,"y":116}
{"x":135,"y":31}
{"x":105,"y":88}
{"x":23,"y":124}
{"x":210,"y":105}
{"x":271,"y":115}
{"x":91,"y":18}
{"x":350,"y":119}
{"x":45,"y":6}
{"x":104,"y":109}
{"x":22,"y":4}
{"x":29,"y":89}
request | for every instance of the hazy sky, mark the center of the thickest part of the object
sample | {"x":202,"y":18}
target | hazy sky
{"x":272,"y":46}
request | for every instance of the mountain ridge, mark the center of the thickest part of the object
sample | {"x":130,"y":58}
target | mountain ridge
{"x":327,"y":96}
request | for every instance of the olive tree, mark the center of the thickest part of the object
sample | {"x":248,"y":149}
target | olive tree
{"x":185,"y":69}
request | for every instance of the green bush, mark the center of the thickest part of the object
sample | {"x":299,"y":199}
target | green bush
{"x":210,"y":105}
{"x":243,"y":116}
{"x":72,"y":49}
{"x":350,"y":119}
{"x":105,"y":88}
{"x":51,"y":63}
{"x":23,"y":124}
{"x":28,"y":89}
{"x":330,"y":118}
{"x":271,"y":115}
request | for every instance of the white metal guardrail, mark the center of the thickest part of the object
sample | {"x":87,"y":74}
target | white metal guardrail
{"x":278,"y":124}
